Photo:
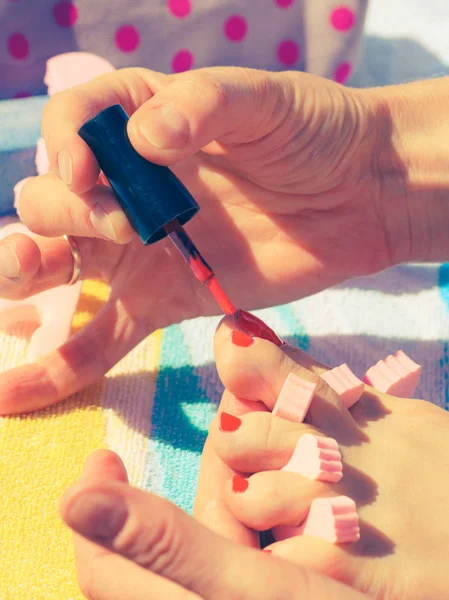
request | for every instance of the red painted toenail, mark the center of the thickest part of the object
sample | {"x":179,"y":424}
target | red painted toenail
{"x":229,"y":422}
{"x":267,"y":551}
{"x":240,"y":338}
{"x":239,"y":484}
{"x":256,"y":327}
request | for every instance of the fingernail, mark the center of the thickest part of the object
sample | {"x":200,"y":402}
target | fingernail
{"x":240,"y":338}
{"x":239,"y":484}
{"x":267,"y":551}
{"x":9,"y":262}
{"x":257,"y":328}
{"x":65,"y":166}
{"x":102,"y":223}
{"x":166,"y":127}
{"x":97,"y":515}
{"x":229,"y":422}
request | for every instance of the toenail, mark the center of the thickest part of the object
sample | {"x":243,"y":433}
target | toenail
{"x":240,"y":338}
{"x":267,"y":551}
{"x":257,"y":328}
{"x":239,"y":484}
{"x":229,"y":422}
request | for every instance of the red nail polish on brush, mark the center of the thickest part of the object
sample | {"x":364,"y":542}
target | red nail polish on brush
{"x":239,"y":484}
{"x":240,"y":338}
{"x":256,"y":327}
{"x":229,"y":422}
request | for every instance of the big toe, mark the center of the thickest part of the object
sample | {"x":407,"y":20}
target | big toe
{"x":256,"y":368}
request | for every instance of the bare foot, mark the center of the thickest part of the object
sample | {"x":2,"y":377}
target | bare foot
{"x":395,"y":456}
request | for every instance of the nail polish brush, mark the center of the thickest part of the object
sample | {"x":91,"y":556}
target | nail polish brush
{"x":154,"y":200}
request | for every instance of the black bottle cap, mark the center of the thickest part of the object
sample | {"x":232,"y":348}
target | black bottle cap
{"x":150,"y":195}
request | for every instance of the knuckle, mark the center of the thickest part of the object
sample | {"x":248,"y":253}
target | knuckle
{"x":158,"y":547}
{"x":208,"y":86}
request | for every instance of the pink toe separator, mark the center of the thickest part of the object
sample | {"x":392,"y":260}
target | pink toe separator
{"x":63,"y":72}
{"x":73,"y":68}
{"x":332,"y":519}
{"x":52,"y":310}
{"x":343,"y":381}
{"x":316,"y":457}
{"x":397,"y":374}
{"x":294,"y":399}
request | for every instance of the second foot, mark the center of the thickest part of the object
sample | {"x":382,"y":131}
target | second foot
{"x":392,"y":454}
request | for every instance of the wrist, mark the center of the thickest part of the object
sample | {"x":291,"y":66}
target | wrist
{"x":411,"y":167}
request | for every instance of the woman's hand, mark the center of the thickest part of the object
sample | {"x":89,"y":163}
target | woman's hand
{"x":288,"y":169}
{"x":132,"y":545}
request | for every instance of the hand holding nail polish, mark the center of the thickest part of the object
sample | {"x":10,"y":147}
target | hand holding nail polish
{"x":261,"y":248}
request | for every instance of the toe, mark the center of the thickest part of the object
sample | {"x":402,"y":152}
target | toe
{"x":256,"y":369}
{"x":210,"y":507}
{"x":256,"y":441}
{"x":272,"y":498}
{"x":253,"y":368}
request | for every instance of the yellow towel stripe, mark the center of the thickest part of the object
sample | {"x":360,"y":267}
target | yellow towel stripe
{"x":40,"y":456}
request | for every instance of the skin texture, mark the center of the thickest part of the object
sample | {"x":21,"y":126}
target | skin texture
{"x":394,"y":451}
{"x":152,"y":550}
{"x":279,"y":163}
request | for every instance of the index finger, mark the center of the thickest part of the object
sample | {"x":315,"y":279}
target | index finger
{"x":67,"y":111}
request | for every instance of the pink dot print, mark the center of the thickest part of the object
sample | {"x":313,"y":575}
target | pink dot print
{"x":284,"y":3}
{"x":180,"y":8}
{"x":65,"y":14}
{"x":288,"y":52}
{"x":18,"y":46}
{"x":236,"y":28}
{"x":343,"y":18}
{"x":127,"y":38}
{"x":21,"y":94}
{"x":182,"y":61}
{"x":343,"y":72}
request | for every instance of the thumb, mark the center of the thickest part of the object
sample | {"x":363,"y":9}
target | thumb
{"x":161,"y":538}
{"x":227,"y":104}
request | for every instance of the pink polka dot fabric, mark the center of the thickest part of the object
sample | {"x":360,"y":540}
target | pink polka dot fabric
{"x":127,"y":38}
{"x":236,"y":28}
{"x":343,"y":18}
{"x":172,"y":36}
{"x":288,"y":52}
{"x":182,"y":61}
{"x":65,"y":14}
